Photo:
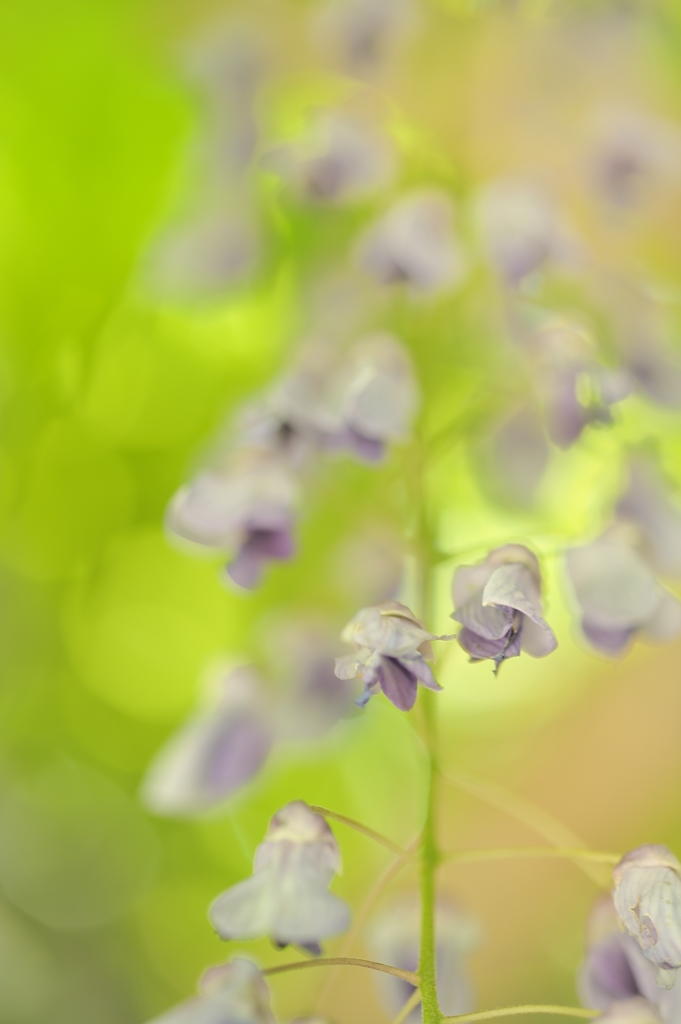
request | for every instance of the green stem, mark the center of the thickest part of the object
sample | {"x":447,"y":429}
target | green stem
{"x":509,"y":852}
{"x":343,"y":961}
{"x":513,"y":1011}
{"x":429,"y":862}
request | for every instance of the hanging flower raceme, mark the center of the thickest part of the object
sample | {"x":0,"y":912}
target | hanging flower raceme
{"x":414,"y":244}
{"x":216,"y":753}
{"x":647,"y":898}
{"x":247,"y":509}
{"x":340,"y":160}
{"x":498,"y":602}
{"x":618,"y":593}
{"x":395,"y":939}
{"x":287,"y":897}
{"x":233,"y":993}
{"x":392,"y":651}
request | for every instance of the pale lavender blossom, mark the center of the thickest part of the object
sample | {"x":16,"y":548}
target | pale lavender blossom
{"x":363,"y":32}
{"x":248,"y":509}
{"x":414,"y":244}
{"x":521,"y":231}
{"x":340,"y":160}
{"x":633,"y":154}
{"x":374,"y":396}
{"x":392,"y":651}
{"x":648,"y":504}
{"x":287,"y":898}
{"x":632,"y":1011}
{"x":216,"y":752}
{"x":614,"y":969}
{"x":233,"y":993}
{"x":513,"y":458}
{"x":394,"y":939}
{"x":498,"y":602}
{"x":647,"y":898}
{"x":618,"y":593}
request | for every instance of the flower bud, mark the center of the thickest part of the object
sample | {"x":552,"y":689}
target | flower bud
{"x":647,"y":897}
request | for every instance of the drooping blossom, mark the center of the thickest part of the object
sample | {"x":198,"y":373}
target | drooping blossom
{"x":287,"y":898}
{"x":414,"y":244}
{"x":633,"y":153}
{"x":340,"y":160}
{"x":233,"y":993}
{"x":216,"y":752}
{"x":574,"y":387}
{"x":248,"y":509}
{"x":360,"y":399}
{"x":521,"y":230}
{"x":648,"y":504}
{"x":363,"y":32}
{"x":394,"y":938}
{"x":647,"y":898}
{"x":614,"y":969}
{"x":498,"y":602}
{"x":618,"y":594}
{"x":392,"y":651}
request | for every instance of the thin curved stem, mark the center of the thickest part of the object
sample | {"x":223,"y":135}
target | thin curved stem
{"x":387,"y":875}
{"x":344,"y":961}
{"x":513,"y":1011}
{"x":523,"y":810}
{"x":370,"y":833}
{"x":511,"y":852}
{"x":413,"y":1001}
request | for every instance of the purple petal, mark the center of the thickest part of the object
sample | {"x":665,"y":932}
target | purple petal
{"x":235,"y":756}
{"x":609,"y":641}
{"x":480,"y":647}
{"x":422,"y":671}
{"x":490,"y":622}
{"x":366,"y":448}
{"x":566,"y":418}
{"x":260,"y":547}
{"x":606,"y":974}
{"x":398,"y":683}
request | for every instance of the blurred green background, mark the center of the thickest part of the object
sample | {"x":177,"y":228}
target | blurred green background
{"x":107,"y":398}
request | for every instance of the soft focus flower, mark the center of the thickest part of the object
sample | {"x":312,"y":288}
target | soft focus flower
{"x":632,"y":1011}
{"x":647,"y":898}
{"x":248,"y":509}
{"x":392,"y":650}
{"x":414,"y":244}
{"x":632,"y":154}
{"x":287,"y":897}
{"x":232,"y":993}
{"x":574,"y":387}
{"x":340,"y":160}
{"x":647,"y":503}
{"x":394,"y":939}
{"x":367,"y":567}
{"x":618,"y":594}
{"x":362,"y":32}
{"x":498,"y":602}
{"x":216,"y":752}
{"x":512,"y":459}
{"x":615,"y":970}
{"x":521,"y":231}
{"x":375,"y":396}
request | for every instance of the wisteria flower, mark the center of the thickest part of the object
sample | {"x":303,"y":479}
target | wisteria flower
{"x":414,"y":244}
{"x":340,"y":160}
{"x":632,"y":154}
{"x":375,"y":396}
{"x":392,"y":651}
{"x":287,"y":897}
{"x":498,"y":602}
{"x":394,"y":939}
{"x":521,"y":231}
{"x":513,"y":458}
{"x":648,"y":504}
{"x":214,"y":754}
{"x":233,"y":993}
{"x":248,"y":509}
{"x":618,"y":594}
{"x":615,"y":970}
{"x":647,"y":898}
{"x":362,"y":32}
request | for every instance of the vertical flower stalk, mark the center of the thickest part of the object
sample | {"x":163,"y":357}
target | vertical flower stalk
{"x":430,"y":1007}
